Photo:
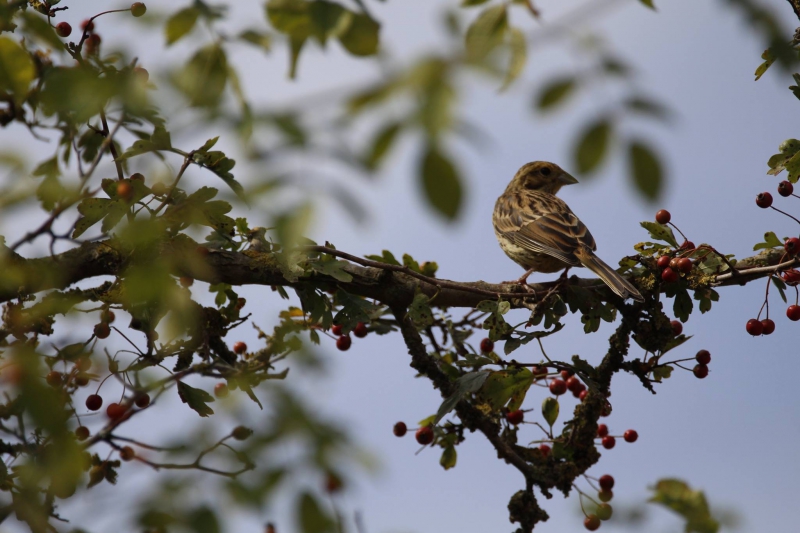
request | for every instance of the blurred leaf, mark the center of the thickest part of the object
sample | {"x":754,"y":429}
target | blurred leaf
{"x":259,"y":39}
{"x":362,"y":36}
{"x":159,"y":140}
{"x":334,"y":269}
{"x":465,"y":385}
{"x":180,"y":23}
{"x":660,"y":232}
{"x":311,"y":517}
{"x":470,"y":3}
{"x":645,"y":169}
{"x":449,"y":457}
{"x":592,"y":146}
{"x":381,"y":144}
{"x":197,"y":399}
{"x":519,"y":54}
{"x":16,"y":69}
{"x":202,"y":80}
{"x":649,"y":3}
{"x":646,"y":106}
{"x":296,"y":46}
{"x":328,"y":19}
{"x":440,"y":182}
{"x":38,"y":26}
{"x":556,"y":92}
{"x":486,"y":32}
{"x":203,"y":520}
{"x":690,"y":504}
{"x":77,"y":93}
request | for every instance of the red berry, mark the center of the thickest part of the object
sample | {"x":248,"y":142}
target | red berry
{"x":81,"y":380}
{"x":591,"y":522}
{"x":115,"y":411}
{"x":127,"y":453}
{"x":142,"y":400}
{"x":202,"y":251}
{"x":602,"y":430}
{"x":605,"y":495}
{"x":582,"y":395}
{"x":87,"y":25}
{"x":539,"y":371}
{"x":663,"y":216}
{"x":82,"y":432}
{"x":63,"y":29}
{"x":669,"y":275}
{"x":101,"y":330}
{"x":703,"y":357}
{"x":107,"y":316}
{"x":580,"y":389}
{"x":685,"y":265}
{"x":336,"y":329}
{"x":673,"y":263}
{"x":677,"y":327}
{"x":558,"y":387}
{"x":574,"y":384}
{"x":333,"y":483}
{"x":54,"y":379}
{"x":785,"y":188}
{"x":360,"y":330}
{"x":792,"y":277}
{"x":769,"y":326}
{"x":240,"y":348}
{"x":663,"y":261}
{"x":792,"y":245}
{"x":793,"y":312}
{"x":763,"y":200}
{"x":608,"y":442}
{"x":606,"y":482}
{"x":138,"y":9}
{"x":125,"y":191}
{"x":400,"y":429}
{"x":240,"y":303}
{"x":221,"y":390}
{"x":424,"y":435}
{"x":515,"y":417}
{"x":487,"y":345}
{"x":566,"y":374}
{"x":344,"y":342}
{"x":754,"y":327}
{"x":700,"y":371}
{"x":94,"y":402}
{"x":186,"y":281}
{"x":545,"y":449}
{"x":630,"y":435}
{"x":92,"y":43}
{"x":687,"y":245}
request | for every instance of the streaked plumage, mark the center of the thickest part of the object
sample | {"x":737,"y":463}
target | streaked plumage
{"x":542,"y":234}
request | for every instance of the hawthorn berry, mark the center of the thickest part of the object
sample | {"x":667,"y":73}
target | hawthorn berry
{"x":663,"y":217}
{"x":574,"y":384}
{"x":239,"y":347}
{"x":793,"y":312}
{"x":754,"y":327}
{"x":127,"y":453}
{"x":785,"y":188}
{"x":240,"y":303}
{"x":608,"y":442}
{"x":125,"y":191}
{"x":82,"y":432}
{"x":606,"y":482}
{"x":63,"y":29}
{"x":138,"y":176}
{"x":107,"y":316}
{"x":703,"y":357}
{"x":539,"y":371}
{"x":591,"y":522}
{"x":604,"y":511}
{"x":558,"y":387}
{"x":83,"y":364}
{"x":763,"y":200}
{"x":605,"y":495}
{"x":221,"y":390}
{"x":333,"y":483}
{"x":94,"y":402}
{"x":792,"y":277}
{"x":669,"y":275}
{"x":81,"y":380}
{"x":792,"y":245}
{"x":344,"y":342}
{"x":677,"y":327}
{"x":93,"y":43}
{"x":769,"y":326}
{"x":582,"y":395}
{"x":663,"y":261}
{"x":580,"y":389}
{"x":424,"y":435}
{"x":138,"y":9}
{"x":566,"y":374}
{"x":515,"y":417}
{"x":400,"y":429}
{"x":360,"y":330}
{"x":142,"y":400}
{"x":673,"y":263}
{"x":143,"y":76}
{"x":101,"y":330}
{"x":487,"y":345}
{"x":685,"y":265}
{"x":186,"y":281}
{"x":602,"y":430}
{"x":700,"y":371}
{"x":630,"y":435}
{"x":115,"y":411}
{"x":336,"y":329}
{"x":87,"y":25}
{"x":687,"y":245}
{"x":545,"y":449}
{"x":54,"y":379}
{"x":241,"y":433}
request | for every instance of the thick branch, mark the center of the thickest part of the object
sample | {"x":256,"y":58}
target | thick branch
{"x":796,"y":6}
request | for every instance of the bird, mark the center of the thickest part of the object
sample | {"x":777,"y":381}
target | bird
{"x":541,"y":233}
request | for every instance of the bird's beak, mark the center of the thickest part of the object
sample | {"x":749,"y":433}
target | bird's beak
{"x":566,"y":179}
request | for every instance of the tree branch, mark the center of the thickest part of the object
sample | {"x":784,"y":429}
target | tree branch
{"x":796,"y":6}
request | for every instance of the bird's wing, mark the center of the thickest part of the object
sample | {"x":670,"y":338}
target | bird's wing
{"x":543,"y":225}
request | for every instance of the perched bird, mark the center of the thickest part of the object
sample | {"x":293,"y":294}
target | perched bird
{"x":542,"y":234}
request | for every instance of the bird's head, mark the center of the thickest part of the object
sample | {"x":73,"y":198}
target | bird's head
{"x":541,"y":176}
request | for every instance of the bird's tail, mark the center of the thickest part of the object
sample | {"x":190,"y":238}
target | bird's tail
{"x":616,"y":283}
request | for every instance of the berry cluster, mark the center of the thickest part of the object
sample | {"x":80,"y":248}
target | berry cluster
{"x":672,"y":267}
{"x":343,"y":341}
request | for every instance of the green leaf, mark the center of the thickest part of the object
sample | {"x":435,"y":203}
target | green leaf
{"x":781,"y":286}
{"x":645,"y":169}
{"x":385,"y":257}
{"x":550,"y":410}
{"x":486,"y":32}
{"x":92,"y":210}
{"x":556,"y":92}
{"x":440,"y":182}
{"x":334,"y":269}
{"x":362,"y":37}
{"x":289,"y":17}
{"x":38,"y":26}
{"x":645,"y":106}
{"x":449,"y":457}
{"x":195,"y":398}
{"x":660,"y":232}
{"x":328,"y":19}
{"x":256,"y":38}
{"x":662,"y":372}
{"x":691,"y":504}
{"x":465,"y":385}
{"x":770,"y":241}
{"x":203,"y":79}
{"x":470,"y":3}
{"x":180,"y":23}
{"x":159,"y":140}
{"x":519,"y":55}
{"x":381,"y":144}
{"x":592,"y":146}
{"x":311,"y":517}
{"x":16,"y":69}
{"x":682,"y":307}
{"x":295,"y":47}
{"x":649,"y":3}
{"x":507,"y":387}
{"x":420,"y":311}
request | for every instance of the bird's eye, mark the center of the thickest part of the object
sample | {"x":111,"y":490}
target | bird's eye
{"x":544,"y":171}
